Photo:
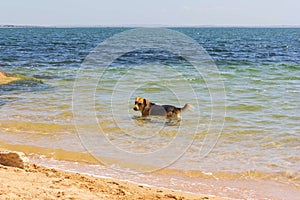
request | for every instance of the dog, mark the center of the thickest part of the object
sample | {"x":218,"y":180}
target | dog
{"x":148,"y":108}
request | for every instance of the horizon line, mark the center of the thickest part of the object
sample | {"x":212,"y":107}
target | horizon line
{"x":145,"y":26}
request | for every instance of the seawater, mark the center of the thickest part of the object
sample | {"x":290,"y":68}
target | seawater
{"x":259,"y":138}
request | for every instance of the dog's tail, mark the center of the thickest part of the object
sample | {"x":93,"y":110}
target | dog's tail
{"x":186,"y":107}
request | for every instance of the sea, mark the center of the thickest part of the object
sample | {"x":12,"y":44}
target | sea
{"x":240,"y":139}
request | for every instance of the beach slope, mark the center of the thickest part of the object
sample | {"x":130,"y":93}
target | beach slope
{"x":37,"y":182}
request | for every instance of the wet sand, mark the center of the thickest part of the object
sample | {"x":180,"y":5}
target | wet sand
{"x":38,"y":182}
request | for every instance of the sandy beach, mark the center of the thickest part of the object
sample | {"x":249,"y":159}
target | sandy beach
{"x":29,"y":181}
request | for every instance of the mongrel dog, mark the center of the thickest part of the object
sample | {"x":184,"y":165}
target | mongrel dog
{"x":148,"y":108}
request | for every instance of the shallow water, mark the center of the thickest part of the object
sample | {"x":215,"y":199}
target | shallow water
{"x":260,"y":70}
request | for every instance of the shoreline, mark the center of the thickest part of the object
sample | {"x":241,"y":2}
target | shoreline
{"x":38,"y":182}
{"x":204,"y":187}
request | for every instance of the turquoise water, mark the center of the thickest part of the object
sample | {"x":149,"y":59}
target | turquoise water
{"x":260,"y":70}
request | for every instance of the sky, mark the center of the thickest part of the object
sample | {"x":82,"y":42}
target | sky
{"x":150,"y":12}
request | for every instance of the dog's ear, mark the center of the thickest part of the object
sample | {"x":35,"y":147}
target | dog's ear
{"x":147,"y":104}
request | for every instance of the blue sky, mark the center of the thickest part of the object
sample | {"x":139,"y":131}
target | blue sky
{"x":150,"y":12}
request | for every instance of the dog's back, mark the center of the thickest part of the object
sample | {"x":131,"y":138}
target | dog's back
{"x":168,"y":110}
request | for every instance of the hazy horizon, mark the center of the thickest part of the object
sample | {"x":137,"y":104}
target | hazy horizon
{"x":137,"y":13}
{"x":145,"y":26}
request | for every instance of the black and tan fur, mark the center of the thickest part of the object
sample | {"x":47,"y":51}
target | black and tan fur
{"x":148,"y":108}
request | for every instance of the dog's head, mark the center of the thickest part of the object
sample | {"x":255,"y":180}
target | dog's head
{"x":141,"y":104}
